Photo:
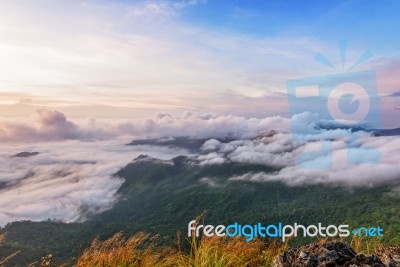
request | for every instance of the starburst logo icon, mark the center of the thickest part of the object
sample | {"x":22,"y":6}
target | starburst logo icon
{"x":343,"y":53}
{"x":347,"y":98}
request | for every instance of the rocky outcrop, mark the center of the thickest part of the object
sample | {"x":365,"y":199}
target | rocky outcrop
{"x":390,"y":255}
{"x":332,"y":254}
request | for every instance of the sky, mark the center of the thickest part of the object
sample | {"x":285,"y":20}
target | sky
{"x":81,"y":79}
{"x":134,"y":59}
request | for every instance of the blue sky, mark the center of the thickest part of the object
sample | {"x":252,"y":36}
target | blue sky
{"x":371,"y":23}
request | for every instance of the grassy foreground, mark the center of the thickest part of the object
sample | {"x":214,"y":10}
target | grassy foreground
{"x":141,"y":250}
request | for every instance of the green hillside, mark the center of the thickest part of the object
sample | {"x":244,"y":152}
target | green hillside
{"x":161,"y":197}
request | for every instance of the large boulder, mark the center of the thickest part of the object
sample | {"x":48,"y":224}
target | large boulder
{"x":327,"y":254}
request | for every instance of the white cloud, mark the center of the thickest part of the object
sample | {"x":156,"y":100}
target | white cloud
{"x":211,"y":145}
{"x":67,"y":180}
{"x":48,"y":125}
{"x":210,"y":182}
{"x":211,"y":159}
{"x":159,"y":8}
{"x":361,"y":168}
{"x":73,"y":171}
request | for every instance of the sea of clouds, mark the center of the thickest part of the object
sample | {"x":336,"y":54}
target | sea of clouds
{"x":72,"y":176}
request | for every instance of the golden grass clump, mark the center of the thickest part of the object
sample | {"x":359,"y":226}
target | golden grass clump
{"x":366,"y":245}
{"x":118,"y":251}
{"x":140,"y":251}
{"x":220,"y":251}
{"x":6,"y":259}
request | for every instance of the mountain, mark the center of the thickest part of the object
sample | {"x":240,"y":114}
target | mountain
{"x":356,"y":128}
{"x":387,"y":132}
{"x":25,"y":154}
{"x":161,"y":197}
{"x":191,"y":144}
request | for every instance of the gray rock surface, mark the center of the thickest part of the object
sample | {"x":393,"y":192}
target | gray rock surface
{"x":328,"y":254}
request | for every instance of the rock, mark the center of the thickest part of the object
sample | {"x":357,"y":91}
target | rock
{"x":329,"y":254}
{"x":304,"y":255}
{"x":390,"y":256}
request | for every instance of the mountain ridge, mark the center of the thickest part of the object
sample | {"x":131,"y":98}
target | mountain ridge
{"x":162,"y":198}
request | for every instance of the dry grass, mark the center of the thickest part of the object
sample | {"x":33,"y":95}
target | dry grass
{"x":118,"y":251}
{"x":366,"y":245}
{"x":140,"y":251}
{"x":214,"y":251}
{"x":5,"y":260}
